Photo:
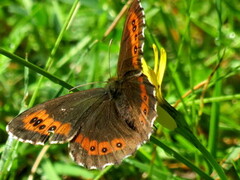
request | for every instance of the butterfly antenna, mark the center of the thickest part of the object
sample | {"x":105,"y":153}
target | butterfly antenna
{"x":82,"y":85}
{"x":109,"y":58}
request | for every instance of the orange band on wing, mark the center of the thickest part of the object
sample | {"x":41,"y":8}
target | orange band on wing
{"x":40,"y":122}
{"x":93,"y":147}
{"x":145,"y":100}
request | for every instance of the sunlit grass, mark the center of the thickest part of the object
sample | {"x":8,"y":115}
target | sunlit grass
{"x":196,"y":35}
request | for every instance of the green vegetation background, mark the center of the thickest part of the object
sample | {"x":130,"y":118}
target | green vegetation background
{"x":197,"y":35}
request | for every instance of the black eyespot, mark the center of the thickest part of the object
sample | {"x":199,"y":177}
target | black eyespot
{"x":104,"y":150}
{"x":144,"y":98}
{"x":92,"y":148}
{"x":42,"y":127}
{"x":33,"y":120}
{"x":119,"y":145}
{"x":133,"y":22}
{"x":37,"y":122}
{"x":136,"y":36}
{"x":145,"y":111}
{"x":134,"y":28}
{"x":52,"y":128}
{"x":135,"y":49}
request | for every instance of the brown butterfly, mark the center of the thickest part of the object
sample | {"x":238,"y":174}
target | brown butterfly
{"x":103,"y":125}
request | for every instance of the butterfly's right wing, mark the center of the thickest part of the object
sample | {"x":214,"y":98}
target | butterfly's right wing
{"x":132,"y":41}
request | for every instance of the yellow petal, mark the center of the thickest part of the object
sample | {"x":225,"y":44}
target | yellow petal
{"x":156,"y":77}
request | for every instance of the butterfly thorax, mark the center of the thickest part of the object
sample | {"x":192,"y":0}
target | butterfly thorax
{"x":116,"y":84}
{"x":114,"y":87}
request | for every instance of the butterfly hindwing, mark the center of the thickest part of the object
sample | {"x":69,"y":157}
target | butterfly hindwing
{"x":117,"y":127}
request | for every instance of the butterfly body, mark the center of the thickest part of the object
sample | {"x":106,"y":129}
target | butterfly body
{"x":102,"y":125}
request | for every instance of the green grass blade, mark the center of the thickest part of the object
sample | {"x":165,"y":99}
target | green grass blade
{"x":35,"y":68}
{"x":180,"y":158}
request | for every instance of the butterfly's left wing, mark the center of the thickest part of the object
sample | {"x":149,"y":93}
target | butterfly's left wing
{"x":57,"y":120}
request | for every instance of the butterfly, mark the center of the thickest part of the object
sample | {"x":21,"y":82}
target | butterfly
{"x":102,"y":125}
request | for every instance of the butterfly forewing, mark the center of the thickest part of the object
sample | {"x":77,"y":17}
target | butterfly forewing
{"x":57,"y":120}
{"x":131,"y":48}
